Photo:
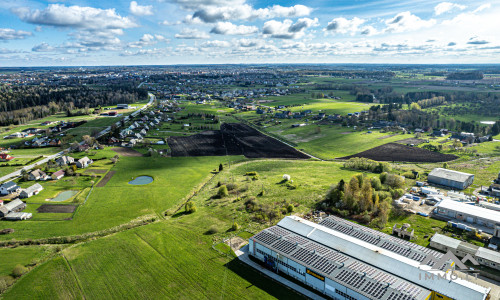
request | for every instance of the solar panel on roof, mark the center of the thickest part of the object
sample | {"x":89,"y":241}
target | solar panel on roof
{"x":363,"y":268}
{"x":399,"y":296}
{"x":297,"y":239}
{"x":266,"y":237}
{"x":316,"y":247}
{"x":279,"y":231}
{"x":284,"y":246}
{"x":375,"y":289}
{"x":351,"y":278}
{"x":409,"y":288}
{"x":323,"y":265}
{"x":305,"y":256}
{"x":336,"y":257}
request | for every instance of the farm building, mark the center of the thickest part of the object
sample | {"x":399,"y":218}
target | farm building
{"x":83,"y":162}
{"x":12,"y":207}
{"x":31,"y":191}
{"x":450,"y":178}
{"x":38,"y":175}
{"x":478,"y":217}
{"x":484,"y":256}
{"x":18,"y":216}
{"x":58,"y":175}
{"x":348,"y":263}
{"x":9,"y":188}
{"x":65,"y":160}
{"x":122,"y":106}
{"x":6,"y":157}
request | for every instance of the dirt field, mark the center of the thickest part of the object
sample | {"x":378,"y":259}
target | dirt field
{"x":398,"y":152}
{"x":410,"y":141}
{"x":105,"y":179}
{"x":232,"y":139}
{"x":126,"y":151}
{"x":95,"y":171}
{"x":236,"y":243}
{"x":56,"y":208}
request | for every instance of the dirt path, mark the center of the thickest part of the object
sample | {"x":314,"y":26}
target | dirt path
{"x":105,"y":179}
{"x":126,"y":152}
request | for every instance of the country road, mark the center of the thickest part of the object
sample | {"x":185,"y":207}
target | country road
{"x":54,"y":156}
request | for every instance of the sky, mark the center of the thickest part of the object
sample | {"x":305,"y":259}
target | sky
{"x":166,"y":32}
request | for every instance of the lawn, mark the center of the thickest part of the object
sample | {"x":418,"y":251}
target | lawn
{"x":332,"y":141}
{"x":171,"y":259}
{"x":118,"y":202}
{"x":20,"y":256}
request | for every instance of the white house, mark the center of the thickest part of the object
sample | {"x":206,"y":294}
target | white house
{"x":83,"y":162}
{"x":31,"y":191}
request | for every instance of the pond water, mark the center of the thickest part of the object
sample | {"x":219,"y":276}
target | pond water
{"x":141,"y":180}
{"x":62,"y":196}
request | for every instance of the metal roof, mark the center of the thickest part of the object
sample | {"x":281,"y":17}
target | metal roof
{"x":471,"y":210}
{"x":388,"y":242}
{"x":33,"y":188}
{"x":488,"y":254}
{"x":337,"y":266}
{"x":380,"y":258}
{"x":445,"y":240}
{"x":450,"y":174}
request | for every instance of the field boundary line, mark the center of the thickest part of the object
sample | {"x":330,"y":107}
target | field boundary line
{"x":74,"y":275}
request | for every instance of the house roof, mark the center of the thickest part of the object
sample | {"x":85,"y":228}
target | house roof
{"x":84,"y":159}
{"x":33,"y":188}
{"x":58,"y":173}
{"x":9,"y":185}
{"x":38,"y":173}
{"x":450,"y":174}
{"x":13,"y":204}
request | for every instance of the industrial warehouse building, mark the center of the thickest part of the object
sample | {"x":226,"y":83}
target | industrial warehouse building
{"x":347,"y":261}
{"x":478,"y":217}
{"x":450,"y":178}
{"x":484,"y":256}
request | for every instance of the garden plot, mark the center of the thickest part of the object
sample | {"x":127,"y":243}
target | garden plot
{"x":398,"y":152}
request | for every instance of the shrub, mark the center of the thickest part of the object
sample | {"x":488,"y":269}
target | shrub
{"x":255,"y":177}
{"x":253,"y":173}
{"x":190,"y":207}
{"x":290,"y":185}
{"x":222,"y":192}
{"x":376,"y":184}
{"x":290,"y":208}
{"x":235,"y":226}
{"x":19,"y":270}
{"x":383,"y":177}
{"x":221,"y":167}
{"x":231,"y":186}
{"x":212,"y":230}
{"x":410,"y":175}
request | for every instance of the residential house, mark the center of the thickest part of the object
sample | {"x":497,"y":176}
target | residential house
{"x":6,"y":157}
{"x":65,"y":160}
{"x":9,"y":188}
{"x":31,"y":191}
{"x":83,"y":162}
{"x":38,"y":175}
{"x":58,"y":175}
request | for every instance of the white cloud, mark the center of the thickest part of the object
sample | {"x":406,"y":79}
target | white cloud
{"x":287,"y":29}
{"x":147,"y":40}
{"x":140,"y":10}
{"x":229,"y":28}
{"x":196,"y":4}
{"x":248,"y":43}
{"x":43,"y":47}
{"x":482,"y":7}
{"x":344,"y":26}
{"x":444,"y":7}
{"x":78,"y":17}
{"x":11,"y":34}
{"x":187,"y":33}
{"x":212,"y":14}
{"x":169,"y":23}
{"x":216,"y":44}
{"x":406,"y":21}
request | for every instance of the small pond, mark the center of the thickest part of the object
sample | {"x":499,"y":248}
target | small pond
{"x":141,"y":180}
{"x":63,"y":196}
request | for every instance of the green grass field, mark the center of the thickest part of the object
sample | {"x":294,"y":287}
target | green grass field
{"x":118,"y":202}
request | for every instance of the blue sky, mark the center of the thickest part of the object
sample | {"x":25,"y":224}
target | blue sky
{"x":115,"y":32}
